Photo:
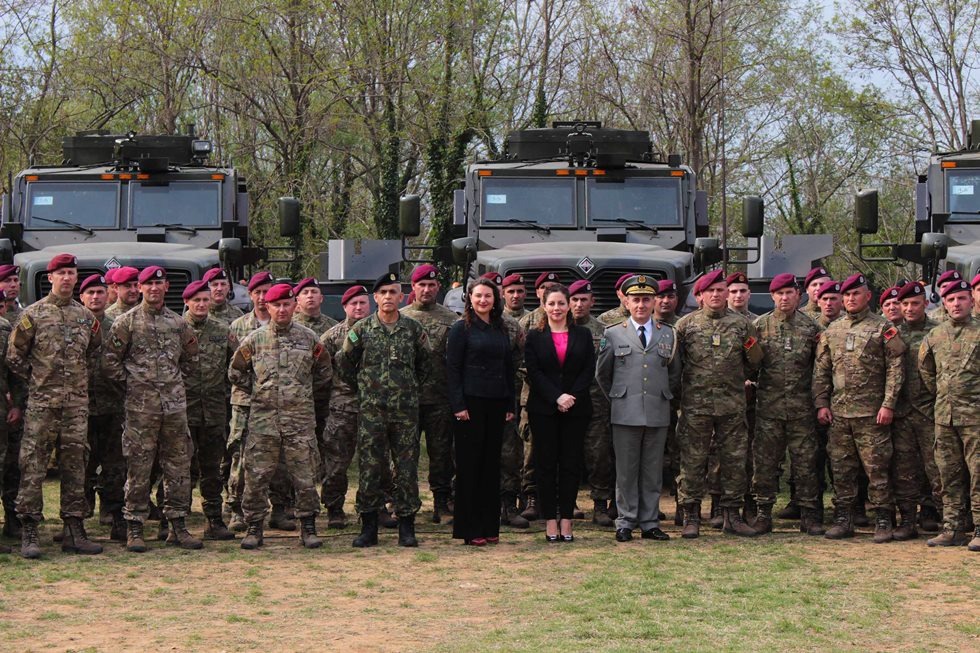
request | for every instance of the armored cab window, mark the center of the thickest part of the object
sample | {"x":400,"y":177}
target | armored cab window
{"x":542,"y":200}
{"x":651,"y":200}
{"x":89,"y":204}
{"x":964,"y":194}
{"x":190,"y":203}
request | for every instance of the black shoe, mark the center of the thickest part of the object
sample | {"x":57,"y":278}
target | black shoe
{"x":655,"y":534}
{"x":567,"y":538}
{"x":624,"y":535}
{"x":551,"y":539}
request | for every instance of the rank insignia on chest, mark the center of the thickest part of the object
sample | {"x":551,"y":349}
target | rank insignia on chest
{"x":25,"y":323}
{"x":716,"y":340}
{"x":849,"y":344}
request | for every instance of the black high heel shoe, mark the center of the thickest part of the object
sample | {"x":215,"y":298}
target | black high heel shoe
{"x":551,"y":539}
{"x":567,"y":538}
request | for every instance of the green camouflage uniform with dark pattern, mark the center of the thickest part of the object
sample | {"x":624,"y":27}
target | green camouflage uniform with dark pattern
{"x":600,"y":461}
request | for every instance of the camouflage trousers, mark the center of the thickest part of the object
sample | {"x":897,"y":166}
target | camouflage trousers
{"x":772,"y":438}
{"x":44,"y":429}
{"x":958,"y":459}
{"x":164,"y":438}
{"x":511,"y":459}
{"x":434,"y":420}
{"x":279,"y":490}
{"x":856,"y":442}
{"x":694,"y":438}
{"x":914,"y":471}
{"x":209,"y":448}
{"x":714,"y":463}
{"x":262,"y":455}
{"x":339,"y":444}
{"x":382,"y":433}
{"x":529,"y":484}
{"x":600,"y":461}
{"x":106,"y":472}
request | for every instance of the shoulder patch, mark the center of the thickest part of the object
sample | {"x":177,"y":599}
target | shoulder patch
{"x":602,"y":343}
{"x":352,"y":336}
{"x":25,"y":322}
{"x":246,"y":352}
{"x":890,"y":333}
{"x":750,"y":343}
{"x":96,"y":326}
{"x":317,"y":351}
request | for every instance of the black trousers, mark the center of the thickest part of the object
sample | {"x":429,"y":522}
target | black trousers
{"x":558,"y":460}
{"x":477,"y":510}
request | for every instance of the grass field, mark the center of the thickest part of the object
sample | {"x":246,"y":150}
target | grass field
{"x":783,"y":592}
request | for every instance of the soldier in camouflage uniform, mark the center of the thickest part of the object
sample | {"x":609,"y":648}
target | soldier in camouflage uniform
{"x":152,"y":350}
{"x":9,"y":383}
{"x":434,"y":413}
{"x":386,"y":359}
{"x":788,"y":339}
{"x":106,"y":465}
{"x":949,"y":361}
{"x":620,"y":314}
{"x":815,"y":279}
{"x":831,"y":303}
{"x":309,"y":300}
{"x":282,"y":366}
{"x":10,"y":472}
{"x":125,"y":281}
{"x":947,"y":278}
{"x":665,"y":310}
{"x":720,"y":350}
{"x":857,"y":379}
{"x":207,"y":415}
{"x":51,"y":348}
{"x":891,"y":308}
{"x":217,"y":282}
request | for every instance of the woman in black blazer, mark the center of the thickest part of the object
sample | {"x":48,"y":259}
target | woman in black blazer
{"x":560,"y":361}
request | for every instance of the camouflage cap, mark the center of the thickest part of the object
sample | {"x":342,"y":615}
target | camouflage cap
{"x":385,"y":279}
{"x":96,"y":280}
{"x":193,"y":288}
{"x":152,"y":273}
{"x":784,"y":280}
{"x":581,"y":287}
{"x":279,"y":292}
{"x":62,"y":261}
{"x":912,"y":289}
{"x":639,"y":284}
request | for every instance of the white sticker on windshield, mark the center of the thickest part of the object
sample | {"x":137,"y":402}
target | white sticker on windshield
{"x":962,"y":190}
{"x":496,"y":199}
{"x":43,"y":200}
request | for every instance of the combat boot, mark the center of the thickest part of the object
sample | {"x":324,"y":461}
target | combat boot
{"x":678,"y":512}
{"x":387,"y":519}
{"x":600,"y":514}
{"x":279,"y":520}
{"x":763,"y":519}
{"x":307,"y":533}
{"x":117,"y":532}
{"x":510,"y":517}
{"x":369,"y":531}
{"x":791,"y":511}
{"x":692,"y":521}
{"x":440,"y":507}
{"x":76,"y":540}
{"x":253,"y":536}
{"x":11,"y":525}
{"x":237,"y":522}
{"x":750,"y":511}
{"x":30,"y":543}
{"x":163,"y":532}
{"x":181,"y":536}
{"x":949,"y":537}
{"x":406,"y":531}
{"x":974,"y":544}
{"x":735,"y":525}
{"x":717,"y":517}
{"x":843,"y":525}
{"x":810,"y":522}
{"x":531,"y":511}
{"x":216,"y":530}
{"x":105,"y":515}
{"x":613,"y":511}
{"x":907,"y":530}
{"x":860,"y":517}
{"x":929,"y":519}
{"x":884,"y":531}
{"x":336,"y":518}
{"x":134,"y":537}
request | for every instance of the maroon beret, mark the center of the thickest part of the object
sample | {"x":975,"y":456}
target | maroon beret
{"x":62,"y":261}
{"x":305,"y":283}
{"x":976,"y":280}
{"x":890,"y":293}
{"x":815,"y":273}
{"x":512,"y":279}
{"x":955,"y":287}
{"x":666,"y":285}
{"x":784,"y":280}
{"x":912,"y":289}
{"x":425,"y":271}
{"x":831,"y":286}
{"x":546,"y":277}
{"x":619,"y":281}
{"x":193,"y":288}
{"x":709,"y":279}
{"x":7,"y":271}
{"x":853,"y":281}
{"x":212,"y":274}
{"x":351,"y":293}
{"x":110,"y":275}
{"x":91,"y":280}
{"x":580,"y":287}
{"x":151,"y":273}
{"x":948,"y":275}
{"x":494,"y":277}
{"x":125,"y":275}
{"x":279,"y":291}
{"x":259,"y":279}
{"x":736,"y":277}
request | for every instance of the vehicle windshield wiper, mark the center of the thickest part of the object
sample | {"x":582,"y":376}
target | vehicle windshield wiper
{"x":176,"y":227}
{"x":964,"y":212}
{"x":77,"y":227}
{"x":633,"y":223}
{"x":531,"y":225}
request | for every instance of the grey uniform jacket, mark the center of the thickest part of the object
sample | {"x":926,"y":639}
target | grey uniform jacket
{"x":638,"y":381}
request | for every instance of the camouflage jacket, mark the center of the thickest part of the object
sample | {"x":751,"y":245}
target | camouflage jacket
{"x":596,"y":328}
{"x":811,"y":310}
{"x":530,"y":319}
{"x":938,"y":314}
{"x":823,"y":322}
{"x":240,"y":328}
{"x":9,"y":382}
{"x":207,"y":387}
{"x":118,"y":308}
{"x":152,"y":350}
{"x":517,"y":337}
{"x":949,"y":362}
{"x":318,"y":324}
{"x":614,"y":316}
{"x":859,"y":366}
{"x":280,"y":368}
{"x":225,"y":313}
{"x":527,"y":322}
{"x":51,"y":347}
{"x":105,"y":396}
{"x":342,"y":396}
{"x":719,"y":352}
{"x":915,"y":395}
{"x":387,"y":367}
{"x":437,"y":320}
{"x":515,"y":315}
{"x":784,"y":383}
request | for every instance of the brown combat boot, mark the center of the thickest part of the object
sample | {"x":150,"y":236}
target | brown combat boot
{"x":600,"y":514}
{"x":531,"y":511}
{"x":950,"y":537}
{"x":30,"y":543}
{"x":181,"y":536}
{"x":134,"y":537}
{"x":810,"y":522}
{"x":280,"y":521}
{"x":763,"y":519}
{"x":907,"y":530}
{"x":217,"y":530}
{"x":509,"y":515}
{"x":860,"y":516}
{"x":307,"y":533}
{"x":369,"y":531}
{"x":883,"y":526}
{"x":974,"y":544}
{"x":336,"y":518}
{"x":253,"y":536}
{"x":163,"y":531}
{"x":692,"y":521}
{"x":750,"y":510}
{"x":735,"y":525}
{"x":930,"y":520}
{"x":717,"y":517}
{"x":76,"y":539}
{"x":843,"y":525}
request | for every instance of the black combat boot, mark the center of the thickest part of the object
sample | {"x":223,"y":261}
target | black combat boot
{"x":531,"y":511}
{"x":117,"y":532}
{"x":217,"y":530}
{"x":387,"y":519}
{"x":906,"y":530}
{"x":440,"y":508}
{"x":600,"y":514}
{"x":307,"y":533}
{"x":134,"y":537}
{"x":929,"y":519}
{"x":253,"y":536}
{"x":30,"y":543}
{"x":369,"y":531}
{"x":763,"y":519}
{"x":810,"y":523}
{"x":843,"y":524}
{"x":509,"y":515}
{"x":76,"y":539}
{"x":791,"y":511}
{"x":717,"y":517}
{"x":406,"y":531}
{"x":950,"y":537}
{"x":884,"y":532}
{"x":181,"y":536}
{"x":336,"y":518}
{"x":163,"y":532}
{"x":281,"y":521}
{"x":692,"y":521}
{"x":735,"y":525}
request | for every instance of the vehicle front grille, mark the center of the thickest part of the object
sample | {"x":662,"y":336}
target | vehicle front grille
{"x":603,"y":282}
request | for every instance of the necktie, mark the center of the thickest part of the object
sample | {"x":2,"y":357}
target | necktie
{"x":643,"y":336}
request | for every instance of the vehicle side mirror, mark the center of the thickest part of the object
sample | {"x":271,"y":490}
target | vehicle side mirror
{"x":230,"y":252}
{"x":289,"y":219}
{"x":753,"y":216}
{"x":6,"y":251}
{"x":707,"y":251}
{"x":409,"y":216}
{"x":934,"y":246}
{"x":866,"y":212}
{"x":463,"y":250}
